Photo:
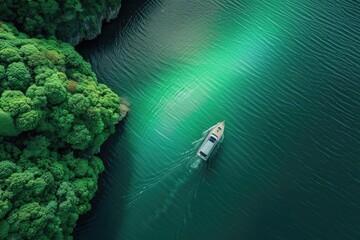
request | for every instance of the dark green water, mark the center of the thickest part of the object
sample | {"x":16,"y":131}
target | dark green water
{"x":285,"y":77}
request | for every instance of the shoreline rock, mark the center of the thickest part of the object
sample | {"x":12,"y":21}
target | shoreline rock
{"x":124,"y":109}
{"x":88,"y":28}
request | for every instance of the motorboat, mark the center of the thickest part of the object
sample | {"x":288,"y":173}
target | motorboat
{"x":211,"y":140}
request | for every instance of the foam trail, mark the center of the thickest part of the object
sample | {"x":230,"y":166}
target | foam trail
{"x":193,"y":162}
{"x":177,"y":187}
{"x":188,"y":160}
{"x":196,"y":163}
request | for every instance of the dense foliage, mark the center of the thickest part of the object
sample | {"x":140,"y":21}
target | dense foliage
{"x":43,"y":17}
{"x":53,"y":116}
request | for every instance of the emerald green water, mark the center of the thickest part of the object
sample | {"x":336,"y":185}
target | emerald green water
{"x":284,"y":75}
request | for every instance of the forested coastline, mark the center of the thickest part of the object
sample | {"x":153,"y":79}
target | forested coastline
{"x":54,"y":116}
{"x":70,"y":20}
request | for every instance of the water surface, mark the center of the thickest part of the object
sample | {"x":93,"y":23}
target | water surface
{"x":284,"y":75}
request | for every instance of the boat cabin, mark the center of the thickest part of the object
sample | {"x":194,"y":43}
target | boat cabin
{"x":208,"y":146}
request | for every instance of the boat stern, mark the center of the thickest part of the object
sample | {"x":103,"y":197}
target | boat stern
{"x":200,"y":156}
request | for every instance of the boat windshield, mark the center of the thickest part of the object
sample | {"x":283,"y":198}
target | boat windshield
{"x":219,"y":128}
{"x":203,"y":154}
{"x":212,"y":139}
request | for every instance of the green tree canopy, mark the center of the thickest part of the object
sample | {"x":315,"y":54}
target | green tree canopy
{"x":18,"y":76}
{"x":7,"y":127}
{"x":45,"y":126}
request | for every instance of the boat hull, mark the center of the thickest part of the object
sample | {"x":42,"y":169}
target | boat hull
{"x":211,"y":141}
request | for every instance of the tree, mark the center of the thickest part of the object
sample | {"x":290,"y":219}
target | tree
{"x":36,"y":186}
{"x":27,"y":50}
{"x":79,"y":138}
{"x":38,"y":59}
{"x":9,"y":55}
{"x":18,"y":76}
{"x":78,"y":104}
{"x":36,"y":147}
{"x":42,"y":73}
{"x":6,"y":169}
{"x":7,"y":127}
{"x":28,"y":120}
{"x":81,"y":168}
{"x":38,"y":95}
{"x":71,"y":86}
{"x":16,"y":182}
{"x":96,"y":165}
{"x":55,"y":91}
{"x":62,"y":120}
{"x":58,"y":170}
{"x":53,"y":56}
{"x":14,"y":102}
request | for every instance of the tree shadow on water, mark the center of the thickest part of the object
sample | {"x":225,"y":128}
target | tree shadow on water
{"x":111,"y":30}
{"x":104,"y":219}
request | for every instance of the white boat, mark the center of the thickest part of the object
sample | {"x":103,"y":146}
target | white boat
{"x":211,"y":140}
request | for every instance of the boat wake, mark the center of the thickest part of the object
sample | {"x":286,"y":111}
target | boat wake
{"x":196,"y":163}
{"x":188,"y":167}
{"x":179,"y":172}
{"x":181,"y":179}
{"x":187,"y":184}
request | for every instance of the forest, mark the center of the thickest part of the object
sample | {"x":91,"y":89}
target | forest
{"x":54,"y":18}
{"x":54,"y":116}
